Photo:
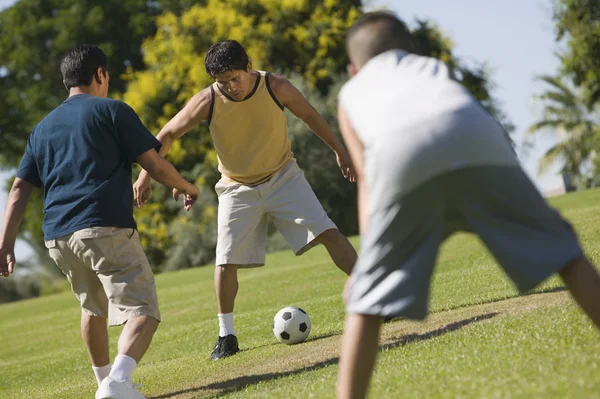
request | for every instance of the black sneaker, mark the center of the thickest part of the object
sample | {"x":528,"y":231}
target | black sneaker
{"x":225,"y":346}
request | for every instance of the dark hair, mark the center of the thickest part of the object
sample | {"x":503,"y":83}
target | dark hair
{"x":80,"y":64}
{"x":382,"y":31}
{"x":225,"y":56}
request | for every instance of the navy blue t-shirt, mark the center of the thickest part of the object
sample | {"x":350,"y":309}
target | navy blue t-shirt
{"x":81,"y":154}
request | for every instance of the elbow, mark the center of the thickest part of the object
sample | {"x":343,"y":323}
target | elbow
{"x":20,"y":184}
{"x":154,"y":168}
{"x":166,"y":136}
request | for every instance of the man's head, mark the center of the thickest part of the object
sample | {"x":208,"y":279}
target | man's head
{"x":375,"y":33}
{"x":86,"y":67}
{"x":227,"y":63}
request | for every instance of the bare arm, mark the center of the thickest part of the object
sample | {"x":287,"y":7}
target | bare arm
{"x":290,"y":97}
{"x":15,"y":209}
{"x":356,"y":150}
{"x":196,"y":110}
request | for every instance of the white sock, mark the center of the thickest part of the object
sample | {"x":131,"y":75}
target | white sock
{"x":101,"y":372}
{"x":226,"y":324}
{"x":122,"y":368}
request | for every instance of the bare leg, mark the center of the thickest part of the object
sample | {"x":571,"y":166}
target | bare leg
{"x":583,"y":281}
{"x":226,"y":287}
{"x":95,"y":337}
{"x":358,"y":353}
{"x":136,"y":336}
{"x":341,"y":251}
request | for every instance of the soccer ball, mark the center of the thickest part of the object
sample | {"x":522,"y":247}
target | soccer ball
{"x":291,"y":325}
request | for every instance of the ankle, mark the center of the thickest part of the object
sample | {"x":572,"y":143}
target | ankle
{"x":122,"y":368}
{"x":226,"y":324}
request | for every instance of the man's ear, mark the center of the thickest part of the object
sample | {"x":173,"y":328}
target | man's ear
{"x":352,"y":69}
{"x":97,"y":78}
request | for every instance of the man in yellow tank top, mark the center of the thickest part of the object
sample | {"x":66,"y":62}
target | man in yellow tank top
{"x":260,"y":178}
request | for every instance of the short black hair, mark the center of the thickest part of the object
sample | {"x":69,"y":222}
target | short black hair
{"x":80,"y":64}
{"x":224,"y":56}
{"x":375,"y":33}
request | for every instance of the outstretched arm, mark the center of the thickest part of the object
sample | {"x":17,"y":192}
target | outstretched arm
{"x":196,"y":110}
{"x":290,"y":97}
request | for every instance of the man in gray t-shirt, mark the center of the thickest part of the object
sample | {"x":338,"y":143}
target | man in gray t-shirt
{"x":431,"y":161}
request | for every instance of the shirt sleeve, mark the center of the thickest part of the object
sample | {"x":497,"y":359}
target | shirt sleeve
{"x":28,"y":169}
{"x":132,"y":133}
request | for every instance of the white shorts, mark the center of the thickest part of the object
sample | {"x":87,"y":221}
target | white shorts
{"x":286,"y":198}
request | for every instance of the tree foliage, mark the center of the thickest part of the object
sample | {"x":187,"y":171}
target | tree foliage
{"x":578,"y":131}
{"x":578,"y":21}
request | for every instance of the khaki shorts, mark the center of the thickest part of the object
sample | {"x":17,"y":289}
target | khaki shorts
{"x":108,"y":271}
{"x":286,"y":198}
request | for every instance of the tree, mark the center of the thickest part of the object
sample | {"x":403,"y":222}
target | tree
{"x":578,"y":21}
{"x":565,"y":114}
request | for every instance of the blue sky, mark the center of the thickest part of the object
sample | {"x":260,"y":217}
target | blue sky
{"x":514,"y":37}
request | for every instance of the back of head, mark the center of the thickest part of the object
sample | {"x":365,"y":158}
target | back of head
{"x":375,"y":33}
{"x":80,"y":65}
{"x":225,"y":56}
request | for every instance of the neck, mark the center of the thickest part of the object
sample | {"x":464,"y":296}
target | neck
{"x":253,"y":77}
{"x":81,"y":90}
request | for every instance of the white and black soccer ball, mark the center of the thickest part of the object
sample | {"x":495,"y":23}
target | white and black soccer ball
{"x":291,"y":325}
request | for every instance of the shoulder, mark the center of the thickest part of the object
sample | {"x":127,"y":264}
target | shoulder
{"x":109,"y":107}
{"x":200,"y":106}
{"x":116,"y":105}
{"x":277,"y":83}
{"x":203,"y":98}
{"x":35,"y":132}
{"x":350,"y":91}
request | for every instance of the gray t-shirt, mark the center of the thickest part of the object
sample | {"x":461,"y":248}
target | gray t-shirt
{"x":416,"y":122}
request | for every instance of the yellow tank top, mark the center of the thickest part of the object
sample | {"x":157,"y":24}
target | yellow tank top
{"x":250,"y":136}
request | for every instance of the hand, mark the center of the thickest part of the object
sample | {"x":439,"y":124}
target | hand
{"x":345,"y":163}
{"x":142,"y":189}
{"x":190,"y":196}
{"x":7,"y":261}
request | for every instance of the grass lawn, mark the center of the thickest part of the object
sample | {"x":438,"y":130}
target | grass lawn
{"x":481,"y":341}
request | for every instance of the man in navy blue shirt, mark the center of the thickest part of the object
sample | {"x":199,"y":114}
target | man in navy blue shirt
{"x":81,"y":155}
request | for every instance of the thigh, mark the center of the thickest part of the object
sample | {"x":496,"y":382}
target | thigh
{"x":85,"y":284}
{"x":398,"y":255}
{"x":529,"y":239}
{"x":295,"y":209}
{"x":117,"y":258}
{"x":241,"y":226}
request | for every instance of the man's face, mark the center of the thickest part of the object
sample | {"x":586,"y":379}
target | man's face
{"x":235,"y":83}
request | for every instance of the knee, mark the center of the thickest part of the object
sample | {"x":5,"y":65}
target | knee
{"x":329,"y":237}
{"x":226,"y":270}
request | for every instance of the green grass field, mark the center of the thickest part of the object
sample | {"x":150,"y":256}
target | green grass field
{"x":482,"y":340}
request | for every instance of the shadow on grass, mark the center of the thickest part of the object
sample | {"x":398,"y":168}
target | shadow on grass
{"x":310,"y":339}
{"x":240,"y":383}
{"x":546,"y":291}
